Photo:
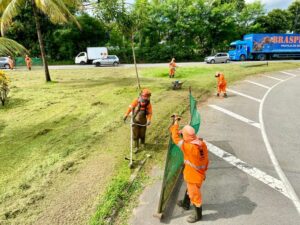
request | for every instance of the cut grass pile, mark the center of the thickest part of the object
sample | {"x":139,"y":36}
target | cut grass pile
{"x":47,"y":129}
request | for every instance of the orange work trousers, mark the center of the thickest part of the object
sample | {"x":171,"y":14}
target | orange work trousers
{"x":172,"y":72}
{"x":28,"y":66}
{"x":194,"y":192}
{"x":222,"y":88}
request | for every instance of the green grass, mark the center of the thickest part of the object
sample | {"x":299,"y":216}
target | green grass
{"x":46,"y":129}
{"x":119,"y":193}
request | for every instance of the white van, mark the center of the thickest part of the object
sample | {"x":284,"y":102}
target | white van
{"x":91,"y":54}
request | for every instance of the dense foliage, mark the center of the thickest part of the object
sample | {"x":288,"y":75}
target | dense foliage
{"x":161,"y":29}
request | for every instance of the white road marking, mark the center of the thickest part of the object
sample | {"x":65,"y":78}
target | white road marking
{"x":250,"y":170}
{"x":244,"y":95}
{"x":289,"y":188}
{"x":290,"y":74}
{"x":258,"y":84}
{"x":274,"y":78}
{"x":236,"y":116}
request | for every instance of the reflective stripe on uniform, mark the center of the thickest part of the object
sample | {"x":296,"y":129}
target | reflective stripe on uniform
{"x":180,"y":143}
{"x":194,"y":166}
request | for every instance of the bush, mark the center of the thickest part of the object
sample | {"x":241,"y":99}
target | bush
{"x":4,"y":89}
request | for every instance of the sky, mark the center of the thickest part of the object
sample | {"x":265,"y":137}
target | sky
{"x":270,"y":4}
{"x":274,"y":4}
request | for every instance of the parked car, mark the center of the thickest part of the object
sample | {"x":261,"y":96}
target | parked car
{"x":4,"y":63}
{"x":218,"y":58}
{"x":110,"y":60}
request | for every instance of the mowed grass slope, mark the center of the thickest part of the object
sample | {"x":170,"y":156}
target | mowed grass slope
{"x":47,"y":129}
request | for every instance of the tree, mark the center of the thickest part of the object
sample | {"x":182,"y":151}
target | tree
{"x":67,"y":41}
{"x":247,"y":19}
{"x":276,"y":21}
{"x":57,"y":12}
{"x":222,"y":25}
{"x":23,"y":30}
{"x":294,"y":9}
{"x":141,"y":9}
{"x":115,"y":11}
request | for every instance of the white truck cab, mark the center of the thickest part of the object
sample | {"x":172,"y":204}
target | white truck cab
{"x":81,"y":58}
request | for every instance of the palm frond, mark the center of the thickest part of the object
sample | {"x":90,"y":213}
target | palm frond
{"x":11,"y":47}
{"x":52,"y":10}
{"x":11,"y":10}
{"x":56,"y":10}
{"x":3,"y":5}
{"x":66,"y":11}
{"x":73,"y":3}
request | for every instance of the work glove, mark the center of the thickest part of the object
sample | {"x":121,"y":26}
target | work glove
{"x":124,"y":118}
{"x":148,"y":123}
{"x":176,"y":117}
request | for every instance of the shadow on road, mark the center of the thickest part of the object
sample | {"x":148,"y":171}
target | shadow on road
{"x":223,"y":194}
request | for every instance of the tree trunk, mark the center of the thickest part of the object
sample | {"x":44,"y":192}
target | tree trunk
{"x":41,"y":42}
{"x":134,"y":61}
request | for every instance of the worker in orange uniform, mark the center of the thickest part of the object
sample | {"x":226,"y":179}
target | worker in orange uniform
{"x":221,"y":84}
{"x":172,"y":66}
{"x":142,"y":115}
{"x":196,"y":161}
{"x":28,"y":62}
{"x":11,"y":63}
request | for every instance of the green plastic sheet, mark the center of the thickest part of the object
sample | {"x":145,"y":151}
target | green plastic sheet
{"x":174,"y":160}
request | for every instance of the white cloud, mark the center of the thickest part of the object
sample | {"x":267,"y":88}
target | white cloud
{"x":274,"y":4}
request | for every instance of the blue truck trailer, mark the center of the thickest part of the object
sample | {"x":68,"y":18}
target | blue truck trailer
{"x":265,"y":46}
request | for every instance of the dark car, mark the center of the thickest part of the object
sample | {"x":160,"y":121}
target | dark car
{"x":4,"y":63}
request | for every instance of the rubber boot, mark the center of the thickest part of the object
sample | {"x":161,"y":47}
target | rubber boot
{"x":196,"y":216}
{"x":225,"y":95}
{"x":185,"y":202}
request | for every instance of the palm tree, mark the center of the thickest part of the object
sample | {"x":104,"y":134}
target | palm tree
{"x":11,"y":47}
{"x":56,"y":10}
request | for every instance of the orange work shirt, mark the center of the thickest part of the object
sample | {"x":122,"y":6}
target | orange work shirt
{"x":28,"y":60}
{"x":195,"y":157}
{"x":135,"y":103}
{"x":221,"y":79}
{"x":172,"y":65}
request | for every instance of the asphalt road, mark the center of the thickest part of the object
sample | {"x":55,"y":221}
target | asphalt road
{"x":153,"y":65}
{"x":254,"y":173}
{"x":282,"y":120}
